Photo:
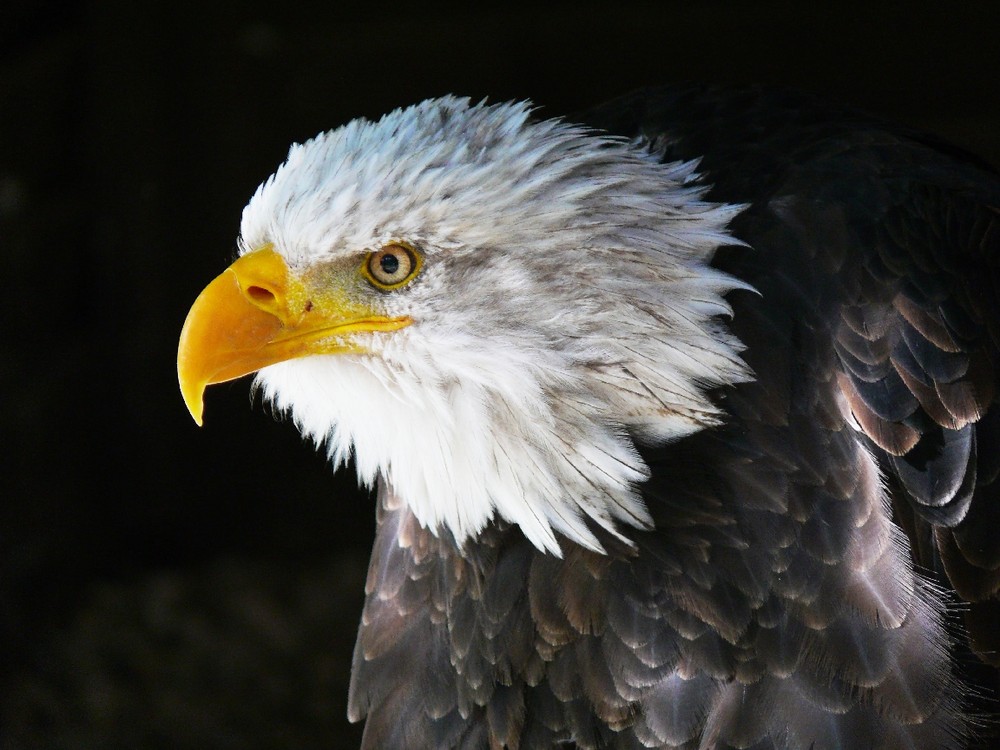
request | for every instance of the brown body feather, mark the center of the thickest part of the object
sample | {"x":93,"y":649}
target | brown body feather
{"x":778,"y":602}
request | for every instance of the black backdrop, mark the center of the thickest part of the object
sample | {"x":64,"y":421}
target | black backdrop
{"x":165,"y":586}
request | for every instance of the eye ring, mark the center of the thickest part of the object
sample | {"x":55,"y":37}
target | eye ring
{"x":392,"y":267}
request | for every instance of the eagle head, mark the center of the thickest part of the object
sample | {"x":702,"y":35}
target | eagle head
{"x":486,"y":310}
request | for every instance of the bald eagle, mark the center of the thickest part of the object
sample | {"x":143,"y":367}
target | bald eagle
{"x":681,"y":414}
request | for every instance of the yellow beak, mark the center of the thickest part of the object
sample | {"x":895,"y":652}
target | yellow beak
{"x":256,"y":314}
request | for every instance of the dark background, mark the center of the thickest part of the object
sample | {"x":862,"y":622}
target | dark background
{"x":165,"y":586}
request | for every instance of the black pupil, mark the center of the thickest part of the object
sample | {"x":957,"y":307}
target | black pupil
{"x":389,"y":264}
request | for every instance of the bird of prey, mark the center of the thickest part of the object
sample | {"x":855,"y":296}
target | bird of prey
{"x":681,"y":414}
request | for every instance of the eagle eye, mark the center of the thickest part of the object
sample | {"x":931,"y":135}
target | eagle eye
{"x":393,"y":266}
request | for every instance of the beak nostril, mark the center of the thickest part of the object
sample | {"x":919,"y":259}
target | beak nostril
{"x":260,"y":295}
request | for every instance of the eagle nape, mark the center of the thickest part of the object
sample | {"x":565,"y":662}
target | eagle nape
{"x":682,"y":416}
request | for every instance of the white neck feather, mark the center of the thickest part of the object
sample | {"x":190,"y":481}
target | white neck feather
{"x":567,"y":309}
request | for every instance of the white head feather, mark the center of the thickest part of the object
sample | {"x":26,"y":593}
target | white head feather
{"x":566,"y":308}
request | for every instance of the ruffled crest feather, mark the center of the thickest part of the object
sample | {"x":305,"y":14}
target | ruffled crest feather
{"x":567,"y":308}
